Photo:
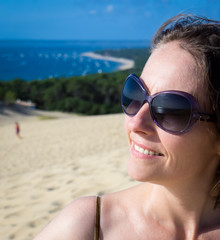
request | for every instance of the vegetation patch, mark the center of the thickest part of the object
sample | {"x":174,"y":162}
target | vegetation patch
{"x":91,"y":94}
{"x":45,"y":117}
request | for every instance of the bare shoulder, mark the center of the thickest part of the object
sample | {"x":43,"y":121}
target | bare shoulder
{"x":75,"y":221}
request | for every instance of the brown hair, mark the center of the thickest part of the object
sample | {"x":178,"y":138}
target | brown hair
{"x":201,"y":38}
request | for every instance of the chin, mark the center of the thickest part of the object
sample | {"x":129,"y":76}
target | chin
{"x":143,"y":173}
{"x":138,"y":174}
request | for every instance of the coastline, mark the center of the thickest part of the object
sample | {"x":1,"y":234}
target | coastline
{"x":125,"y":63}
{"x":55,"y":59}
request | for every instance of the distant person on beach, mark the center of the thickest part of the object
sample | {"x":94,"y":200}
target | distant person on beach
{"x":17,"y":130}
{"x":172,"y":120}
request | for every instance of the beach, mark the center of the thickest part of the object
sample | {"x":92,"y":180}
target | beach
{"x":125,"y":63}
{"x":37,"y":59}
{"x":60,"y":157}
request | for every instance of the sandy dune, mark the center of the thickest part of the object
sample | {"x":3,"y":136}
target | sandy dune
{"x":56,"y":161}
{"x":125,"y":63}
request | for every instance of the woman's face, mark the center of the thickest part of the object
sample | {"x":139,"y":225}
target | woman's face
{"x":186,"y":157}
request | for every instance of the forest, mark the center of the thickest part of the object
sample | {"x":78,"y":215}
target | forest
{"x":90,"y":95}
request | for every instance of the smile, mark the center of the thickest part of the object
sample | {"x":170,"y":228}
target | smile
{"x":146,"y":151}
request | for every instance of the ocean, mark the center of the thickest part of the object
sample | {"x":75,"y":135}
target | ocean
{"x":36,"y":59}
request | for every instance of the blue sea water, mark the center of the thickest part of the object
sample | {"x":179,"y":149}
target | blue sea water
{"x":36,"y":59}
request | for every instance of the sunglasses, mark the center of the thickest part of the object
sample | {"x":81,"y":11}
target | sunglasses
{"x":173,"y":111}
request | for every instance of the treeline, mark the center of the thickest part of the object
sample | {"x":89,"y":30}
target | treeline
{"x":92,"y":94}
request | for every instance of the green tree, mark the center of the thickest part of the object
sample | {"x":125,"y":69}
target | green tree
{"x":9,"y":97}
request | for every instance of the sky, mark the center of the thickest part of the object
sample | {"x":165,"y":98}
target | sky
{"x":94,"y":19}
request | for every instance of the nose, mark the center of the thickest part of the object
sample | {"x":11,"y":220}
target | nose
{"x":142,"y":121}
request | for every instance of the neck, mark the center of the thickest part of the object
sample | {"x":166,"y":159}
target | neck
{"x":180,"y":208}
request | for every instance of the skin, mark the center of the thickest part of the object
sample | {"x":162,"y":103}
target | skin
{"x":173,"y":201}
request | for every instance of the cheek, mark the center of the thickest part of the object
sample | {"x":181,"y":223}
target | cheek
{"x":126,"y":123}
{"x":190,"y":153}
{"x":176,"y":151}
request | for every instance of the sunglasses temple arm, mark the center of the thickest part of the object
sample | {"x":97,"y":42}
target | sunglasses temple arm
{"x":207,"y":117}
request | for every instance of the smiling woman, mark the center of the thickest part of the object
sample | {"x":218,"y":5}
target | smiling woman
{"x":173,"y":126}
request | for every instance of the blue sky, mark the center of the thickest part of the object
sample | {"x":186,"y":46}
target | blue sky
{"x":94,"y":19}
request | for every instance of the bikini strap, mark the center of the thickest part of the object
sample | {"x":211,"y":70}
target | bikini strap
{"x":97,"y":218}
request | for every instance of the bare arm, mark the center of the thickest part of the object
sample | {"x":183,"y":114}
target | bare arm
{"x":74,"y":222}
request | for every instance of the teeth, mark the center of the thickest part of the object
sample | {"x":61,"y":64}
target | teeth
{"x":145,"y":151}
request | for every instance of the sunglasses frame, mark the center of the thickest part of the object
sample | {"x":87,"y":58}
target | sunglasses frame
{"x":195,"y":115}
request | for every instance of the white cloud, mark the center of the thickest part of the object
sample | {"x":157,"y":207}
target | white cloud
{"x":109,"y":8}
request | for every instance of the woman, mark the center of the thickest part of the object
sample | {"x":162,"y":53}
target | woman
{"x":173,"y":124}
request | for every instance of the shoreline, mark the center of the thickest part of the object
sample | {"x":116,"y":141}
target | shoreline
{"x":126,"y":63}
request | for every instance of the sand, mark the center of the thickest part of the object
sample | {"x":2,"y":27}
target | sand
{"x":58,"y":159}
{"x":125,"y":63}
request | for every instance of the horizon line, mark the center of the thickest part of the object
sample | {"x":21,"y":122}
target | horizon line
{"x":32,"y":39}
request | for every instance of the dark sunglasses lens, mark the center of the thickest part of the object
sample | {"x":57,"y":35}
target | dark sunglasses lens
{"x":171,"y":111}
{"x":132,"y":97}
